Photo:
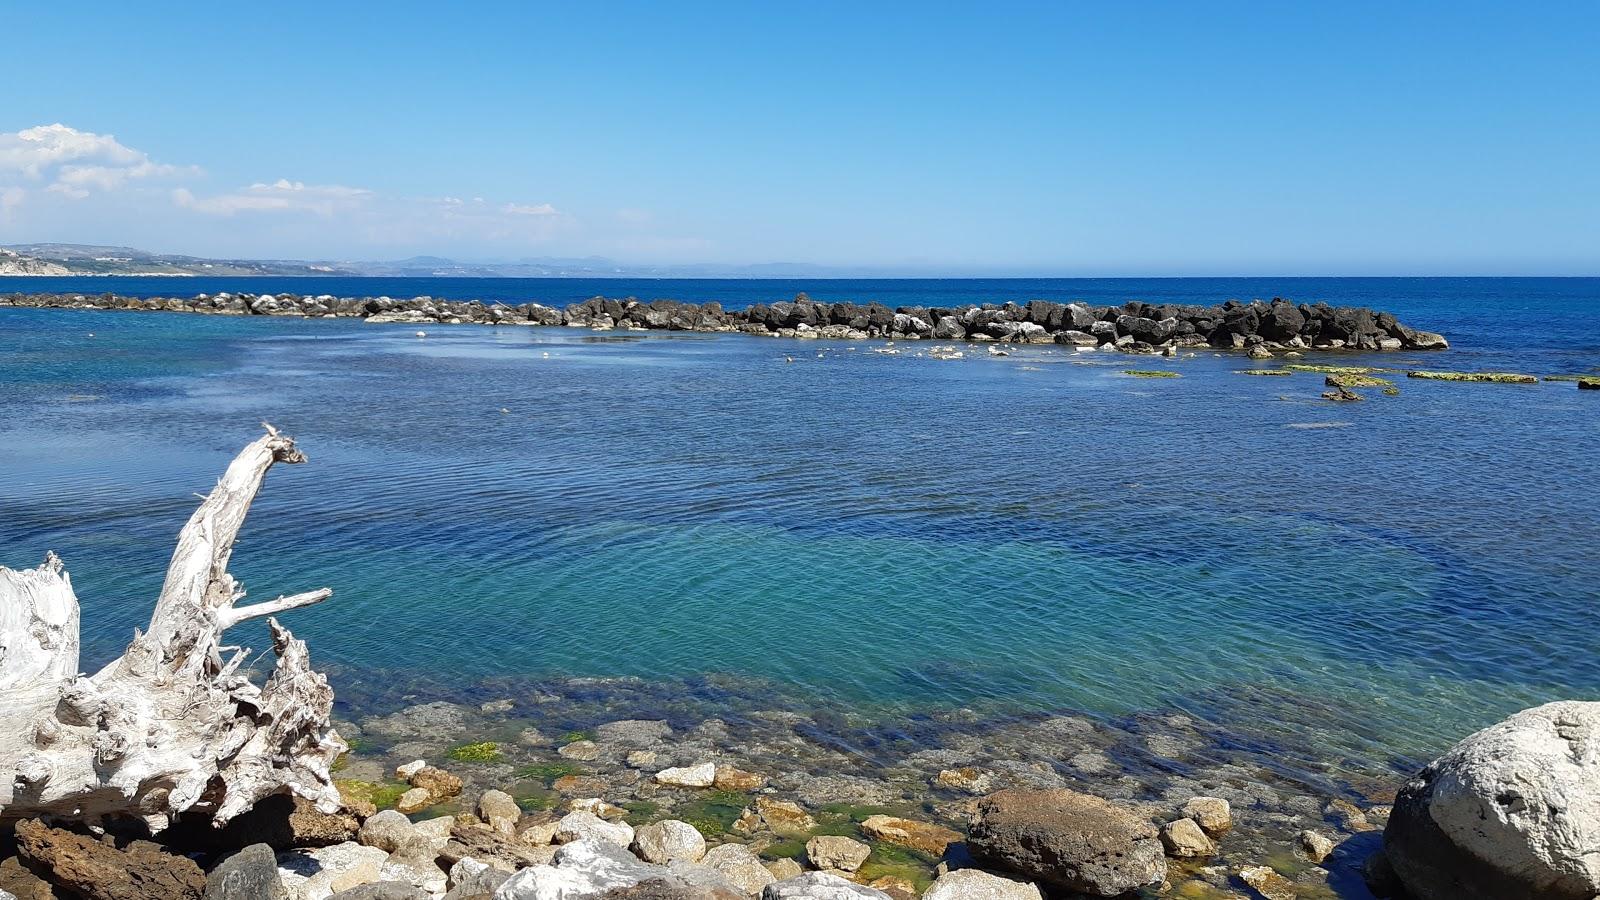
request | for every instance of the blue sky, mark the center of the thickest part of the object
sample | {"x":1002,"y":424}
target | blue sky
{"x":1105,"y":139}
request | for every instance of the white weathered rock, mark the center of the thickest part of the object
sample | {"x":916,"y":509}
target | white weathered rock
{"x":469,"y":878}
{"x":1513,"y":810}
{"x":819,"y":886}
{"x":405,"y":771}
{"x":975,"y":884}
{"x":667,"y":840}
{"x":700,"y":775}
{"x":740,"y":865}
{"x":586,"y":826}
{"x":320,"y":873}
{"x":581,"y":869}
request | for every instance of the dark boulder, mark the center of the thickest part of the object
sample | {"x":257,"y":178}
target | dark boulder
{"x":1282,"y":321}
{"x":94,"y":870}
{"x":250,"y":874}
{"x":1069,"y":841}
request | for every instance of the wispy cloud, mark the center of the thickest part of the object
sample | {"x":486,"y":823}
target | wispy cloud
{"x":516,"y":209}
{"x":282,"y":195}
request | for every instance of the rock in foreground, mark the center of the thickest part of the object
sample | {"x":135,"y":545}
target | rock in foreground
{"x":97,"y":871}
{"x":1511,"y":811}
{"x":1068,"y":841}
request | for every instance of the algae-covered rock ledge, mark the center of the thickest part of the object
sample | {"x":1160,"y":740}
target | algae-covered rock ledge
{"x":1135,"y":326}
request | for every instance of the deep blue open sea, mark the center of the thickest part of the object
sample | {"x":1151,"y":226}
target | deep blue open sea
{"x":893,"y":533}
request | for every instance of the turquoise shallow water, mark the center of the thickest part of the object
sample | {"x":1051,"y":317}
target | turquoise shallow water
{"x":885,"y":533}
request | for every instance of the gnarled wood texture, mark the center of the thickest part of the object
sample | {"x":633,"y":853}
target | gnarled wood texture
{"x":169,"y":726}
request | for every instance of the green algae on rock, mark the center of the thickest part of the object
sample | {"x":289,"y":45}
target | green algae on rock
{"x":1335,"y":370}
{"x":1494,"y":377}
{"x":1150,"y":373}
{"x":1589,"y":384}
{"x":1355,"y":380}
{"x":1262,"y":372}
{"x":482,"y":751}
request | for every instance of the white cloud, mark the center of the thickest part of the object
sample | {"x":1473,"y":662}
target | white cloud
{"x":542,"y":209}
{"x":70,"y":185}
{"x":74,"y":163}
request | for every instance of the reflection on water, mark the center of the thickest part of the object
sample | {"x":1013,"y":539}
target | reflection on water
{"x":1346,"y":586}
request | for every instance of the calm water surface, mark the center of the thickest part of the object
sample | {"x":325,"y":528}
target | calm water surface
{"x":891,"y":533}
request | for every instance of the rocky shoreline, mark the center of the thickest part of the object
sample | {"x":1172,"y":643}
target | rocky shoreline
{"x":1136,"y":327}
{"x":452,"y":798}
{"x":457,"y":800}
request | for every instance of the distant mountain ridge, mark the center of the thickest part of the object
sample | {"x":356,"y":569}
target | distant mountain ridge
{"x":90,"y":259}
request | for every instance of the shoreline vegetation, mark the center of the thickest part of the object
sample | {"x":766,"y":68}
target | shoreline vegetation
{"x":1258,"y":327}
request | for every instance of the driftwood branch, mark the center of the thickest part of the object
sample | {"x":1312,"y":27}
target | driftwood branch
{"x":169,"y":726}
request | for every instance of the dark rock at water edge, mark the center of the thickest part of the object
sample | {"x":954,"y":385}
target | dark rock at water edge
{"x":1067,"y":840}
{"x":1135,"y":326}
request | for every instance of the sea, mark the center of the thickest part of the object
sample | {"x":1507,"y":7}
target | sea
{"x":890,"y":534}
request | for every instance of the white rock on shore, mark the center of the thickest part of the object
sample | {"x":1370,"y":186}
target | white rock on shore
{"x":1513,"y":810}
{"x":700,"y":775}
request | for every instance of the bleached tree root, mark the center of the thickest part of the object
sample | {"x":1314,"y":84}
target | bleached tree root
{"x":170,"y":726}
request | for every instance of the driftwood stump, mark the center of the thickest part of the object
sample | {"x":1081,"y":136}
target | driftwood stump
{"x":171,"y":725}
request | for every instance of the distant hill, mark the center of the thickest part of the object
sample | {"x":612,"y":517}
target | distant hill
{"x":16,"y":264}
{"x":87,"y":259}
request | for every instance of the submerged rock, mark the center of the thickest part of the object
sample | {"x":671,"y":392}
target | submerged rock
{"x":1267,"y":882}
{"x":1493,"y":377}
{"x":1214,"y":815}
{"x":837,"y":852}
{"x":701,"y":775}
{"x":921,"y":836}
{"x":1068,"y":841}
{"x":1511,"y":811}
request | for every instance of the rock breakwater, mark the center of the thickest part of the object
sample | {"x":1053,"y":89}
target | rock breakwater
{"x":1135,"y":326}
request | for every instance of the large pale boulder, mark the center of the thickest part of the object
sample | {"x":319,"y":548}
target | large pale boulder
{"x":1512,"y":811}
{"x":667,"y":840}
{"x":1068,"y":841}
